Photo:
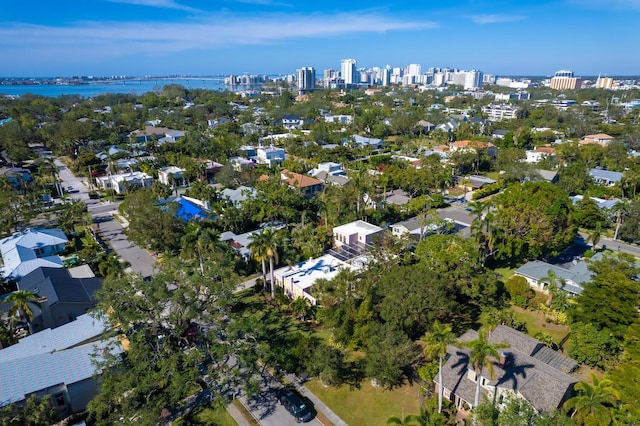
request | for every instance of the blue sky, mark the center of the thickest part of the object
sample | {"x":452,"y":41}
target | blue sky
{"x":207,"y":37}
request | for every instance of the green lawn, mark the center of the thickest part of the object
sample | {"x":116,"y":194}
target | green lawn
{"x":536,"y":323}
{"x":367,"y":405}
{"x":208,"y":416}
{"x":505,"y":273}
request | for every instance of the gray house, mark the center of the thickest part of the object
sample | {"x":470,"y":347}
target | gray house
{"x":63,"y":297}
{"x":605,"y":177}
{"x":527,"y":369}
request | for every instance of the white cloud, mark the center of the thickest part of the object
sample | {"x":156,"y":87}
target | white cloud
{"x":119,"y":39}
{"x":165,"y":4}
{"x":495,"y":19}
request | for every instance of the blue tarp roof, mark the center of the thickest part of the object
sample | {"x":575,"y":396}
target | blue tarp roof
{"x":189,"y":211}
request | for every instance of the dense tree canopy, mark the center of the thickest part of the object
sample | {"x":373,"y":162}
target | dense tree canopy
{"x":532,"y":220}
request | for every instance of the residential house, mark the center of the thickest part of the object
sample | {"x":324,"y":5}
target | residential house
{"x":159,"y":134}
{"x":473,"y":146}
{"x":330,"y":174}
{"x":171,"y":176}
{"x":120,"y":183}
{"x":419,"y":228}
{"x":297,"y":280}
{"x":84,"y":329}
{"x":424,"y":126}
{"x":601,"y":202}
{"x":397,"y":197}
{"x":215,"y":122}
{"x":449,"y":126}
{"x":63,"y":294}
{"x":363,"y":142}
{"x":240,"y":242}
{"x":601,"y":139}
{"x":307,"y":184}
{"x":478,"y":182}
{"x":270,"y":155}
{"x":240,"y":163}
{"x":499,"y":133}
{"x":357,"y":233}
{"x":237,"y":196}
{"x":339,"y":119}
{"x":539,"y":154}
{"x":30,"y":249}
{"x":573,"y":275}
{"x":548,"y":175}
{"x":605,"y":177}
{"x":526,"y":368}
{"x":291,"y":122}
{"x":66,"y":373}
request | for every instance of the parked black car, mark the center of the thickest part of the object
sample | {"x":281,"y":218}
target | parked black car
{"x":295,"y":405}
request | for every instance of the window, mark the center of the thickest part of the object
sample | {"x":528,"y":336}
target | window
{"x":59,"y":400}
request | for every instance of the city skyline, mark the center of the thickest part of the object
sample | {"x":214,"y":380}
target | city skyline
{"x":186,"y":37}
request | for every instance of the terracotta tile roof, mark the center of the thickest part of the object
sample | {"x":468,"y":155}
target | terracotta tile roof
{"x":300,"y":181}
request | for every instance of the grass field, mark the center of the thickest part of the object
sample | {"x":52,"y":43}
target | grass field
{"x":367,"y":405}
{"x":208,"y":416}
{"x":536,"y":323}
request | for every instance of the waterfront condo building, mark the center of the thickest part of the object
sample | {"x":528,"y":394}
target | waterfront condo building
{"x":565,"y":80}
{"x":348,"y":72}
{"x":306,"y":79}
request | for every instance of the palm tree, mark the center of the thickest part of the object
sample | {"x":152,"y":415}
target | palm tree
{"x":267,"y":244}
{"x":553,"y":289}
{"x":593,"y":403}
{"x":23,"y":300}
{"x":594,"y":237}
{"x":481,"y":353}
{"x":436,"y":343}
{"x":199,"y":241}
{"x":258,"y":249}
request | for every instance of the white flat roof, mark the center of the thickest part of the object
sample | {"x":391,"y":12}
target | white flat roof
{"x":357,"y":227}
{"x":305,"y":274}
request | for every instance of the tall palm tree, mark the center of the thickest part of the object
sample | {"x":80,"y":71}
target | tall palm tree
{"x":482,"y":351}
{"x":198,"y":242}
{"x":594,"y":402}
{"x":258,"y":249}
{"x":23,"y":301}
{"x":267,"y":244}
{"x":595,"y":235}
{"x":436,"y":342}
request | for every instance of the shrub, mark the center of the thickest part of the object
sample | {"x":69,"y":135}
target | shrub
{"x":519,"y":291}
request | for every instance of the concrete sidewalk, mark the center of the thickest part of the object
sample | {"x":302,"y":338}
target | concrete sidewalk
{"x":237,"y":415}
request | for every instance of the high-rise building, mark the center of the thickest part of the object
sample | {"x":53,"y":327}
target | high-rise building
{"x":306,"y":79}
{"x":348,"y":71}
{"x":473,"y":80}
{"x":564,"y":80}
{"x":604,"y":82}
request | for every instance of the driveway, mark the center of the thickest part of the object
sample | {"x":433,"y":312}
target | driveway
{"x":265,"y":407}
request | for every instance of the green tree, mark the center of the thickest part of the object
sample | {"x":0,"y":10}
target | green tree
{"x":532,"y":219}
{"x":594,"y":402}
{"x":23,"y":302}
{"x":179,"y":340}
{"x":436,"y":342}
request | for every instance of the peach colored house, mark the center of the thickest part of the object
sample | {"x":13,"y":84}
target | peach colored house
{"x":601,"y":139}
{"x":474,"y":146}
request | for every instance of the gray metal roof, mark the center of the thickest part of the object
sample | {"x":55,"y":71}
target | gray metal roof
{"x":606,"y":175}
{"x":83,"y":329}
{"x":23,"y":376}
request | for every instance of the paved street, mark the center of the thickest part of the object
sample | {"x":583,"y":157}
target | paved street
{"x":266,"y":408}
{"x":111,"y":230}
